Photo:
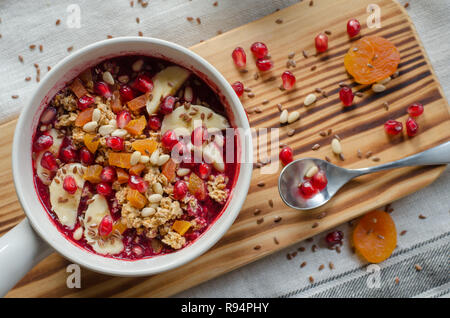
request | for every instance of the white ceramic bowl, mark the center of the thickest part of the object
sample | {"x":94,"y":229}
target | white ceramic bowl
{"x":21,"y":248}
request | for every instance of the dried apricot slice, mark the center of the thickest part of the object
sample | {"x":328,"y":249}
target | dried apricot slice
{"x":136,"y":199}
{"x":136,"y":126}
{"x":92,"y":174}
{"x":84,"y":117}
{"x":197,"y":187}
{"x":122,"y":176}
{"x":77,"y":88}
{"x":169,"y":170}
{"x":119,"y":226}
{"x":145,"y":146}
{"x":116,"y":104}
{"x":138,"y":102}
{"x":371,"y":59}
{"x":137,"y":169}
{"x":91,"y":141}
{"x":120,"y":159}
{"x":375,"y":236}
{"x":181,"y":226}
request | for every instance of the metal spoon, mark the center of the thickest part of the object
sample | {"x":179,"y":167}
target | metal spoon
{"x":292,"y":175}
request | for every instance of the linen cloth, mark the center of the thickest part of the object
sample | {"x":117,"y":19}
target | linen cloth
{"x":427,"y":241}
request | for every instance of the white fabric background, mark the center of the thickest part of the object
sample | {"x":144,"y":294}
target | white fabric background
{"x":33,"y":22}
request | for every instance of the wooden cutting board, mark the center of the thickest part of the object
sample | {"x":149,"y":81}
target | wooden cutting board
{"x":360,"y":128}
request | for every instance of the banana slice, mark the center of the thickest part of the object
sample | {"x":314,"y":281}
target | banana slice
{"x":95,"y":212}
{"x":64,"y":204}
{"x":212,"y":154}
{"x":174,"y":121}
{"x":166,"y":83}
{"x":43,"y":173}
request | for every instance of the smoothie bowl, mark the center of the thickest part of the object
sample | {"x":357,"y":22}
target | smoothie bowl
{"x":127,"y":160}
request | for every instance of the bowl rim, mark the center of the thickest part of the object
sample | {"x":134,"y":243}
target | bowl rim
{"x":97,"y":262}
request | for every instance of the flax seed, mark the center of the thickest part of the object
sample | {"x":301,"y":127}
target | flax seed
{"x":277,"y":219}
{"x":301,"y":249}
{"x":418,"y":267}
{"x":199,"y":21}
{"x":32,"y":46}
{"x":69,"y":49}
{"x":271,"y":203}
{"x":41,"y":48}
{"x":323,"y":133}
{"x":331,"y":265}
{"x":291,"y":132}
{"x":256,"y":212}
{"x":311,"y":279}
{"x":313,"y":68}
{"x":21,"y":58}
{"x":396,"y":280}
{"x":58,"y":22}
{"x":257,"y":247}
{"x":368,"y":154}
{"x":316,"y":224}
{"x":321,"y":267}
{"x":376,"y":159}
{"x":279,"y":21}
{"x":403,"y":232}
{"x":28,"y":78}
{"x":305,"y":54}
{"x":260,"y":220}
{"x":315,"y":147}
{"x":422,"y":217}
{"x":314,"y":248}
{"x":280,"y":107}
{"x":190,"y":19}
{"x":261,"y":184}
{"x":359,"y":154}
{"x":15,"y":96}
{"x":303,"y":264}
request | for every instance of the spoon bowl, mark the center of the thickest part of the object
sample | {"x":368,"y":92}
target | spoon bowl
{"x":293,"y":175}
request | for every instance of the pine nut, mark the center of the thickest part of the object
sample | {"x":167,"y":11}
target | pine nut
{"x":154,"y":157}
{"x":78,"y":234}
{"x":163,"y":159}
{"x":135,"y":157}
{"x":157,"y":188}
{"x":144,"y":159}
{"x":385,"y":81}
{"x":311,"y":171}
{"x":108,"y":78}
{"x":311,"y":98}
{"x":137,"y":66}
{"x":90,"y":126}
{"x":123,"y":79}
{"x":378,"y":88}
{"x":284,"y":117}
{"x":105,"y":130}
{"x":336,"y":146}
{"x":96,"y":114}
{"x":188,"y":94}
{"x":119,"y":133}
{"x":183,"y":172}
{"x":155,"y":198}
{"x":113,"y":123}
{"x":295,"y":115}
{"x":147,"y":212}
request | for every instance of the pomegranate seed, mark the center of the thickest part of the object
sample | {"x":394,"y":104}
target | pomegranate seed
{"x":239,"y":57}
{"x":238,"y":88}
{"x":204,"y":170}
{"x":86,"y":156}
{"x":286,"y":155}
{"x":48,"y":161}
{"x":393,"y":127}
{"x":154,"y":123}
{"x":123,"y":118}
{"x":411,"y":127}
{"x":346,"y":96}
{"x":70,"y":185}
{"x":115,"y":143}
{"x":137,"y":183}
{"x":307,"y":190}
{"x":353,"y":27}
{"x":180,"y":152}
{"x":259,"y":50}
{"x":68,"y":154}
{"x":288,"y":80}
{"x":264,"y":64}
{"x":104,"y":189}
{"x":106,"y":225}
{"x":43,"y":142}
{"x":169,"y":139}
{"x":108,"y":174}
{"x":199,"y":135}
{"x":321,"y":42}
{"x":48,"y":116}
{"x":102,"y":89}
{"x":126,"y":93}
{"x":319,"y":180}
{"x":143,"y":83}
{"x":167,"y":105}
{"x":334,"y":238}
{"x":85,"y":101}
{"x":415,"y":110}
{"x":180,"y":190}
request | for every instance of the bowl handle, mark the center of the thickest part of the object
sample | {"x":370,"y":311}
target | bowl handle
{"x":20,"y":250}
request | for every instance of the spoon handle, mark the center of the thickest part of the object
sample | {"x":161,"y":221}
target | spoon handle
{"x":434,"y":156}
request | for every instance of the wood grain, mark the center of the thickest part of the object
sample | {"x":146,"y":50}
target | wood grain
{"x":360,"y":128}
